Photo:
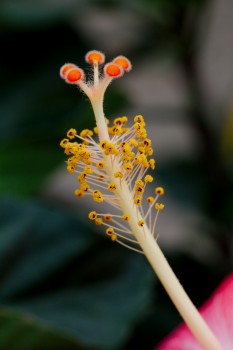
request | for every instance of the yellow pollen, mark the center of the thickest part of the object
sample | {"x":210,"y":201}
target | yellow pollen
{"x":79,"y":193}
{"x":92,"y":215}
{"x":87,"y":170}
{"x":100,"y":165}
{"x":84,"y":187}
{"x":139,"y":119}
{"x":133,"y":142}
{"x":98,"y":221}
{"x":81,"y":178}
{"x":110,"y":231}
{"x":118,"y":121}
{"x":148,"y":178}
{"x":97,"y":196}
{"x":113,"y":237}
{"x":124,"y":120}
{"x":150,"y":199}
{"x":107,"y":217}
{"x":126,"y":217}
{"x":141,"y":223}
{"x":128,"y":166}
{"x":138,"y":200}
{"x":159,"y":206}
{"x":159,"y":190}
{"x":151,"y":163}
{"x":86,"y":132}
{"x":71,"y":169}
{"x":103,"y":144}
{"x":112,"y":187}
{"x":118,"y":174}
{"x":139,"y":183}
{"x":64,"y":143}
{"x":71,"y":133}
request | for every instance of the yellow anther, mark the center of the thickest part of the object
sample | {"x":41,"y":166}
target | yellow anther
{"x":150,"y":199}
{"x":133,"y":142}
{"x":141,"y":223}
{"x":118,"y":174}
{"x":124,"y":120}
{"x":100,"y":165}
{"x":107,"y":217}
{"x":87,"y":170}
{"x":147,"y":142}
{"x":116,"y":130}
{"x":84,"y":187}
{"x":126,"y":148}
{"x":159,"y":190}
{"x":69,"y":149}
{"x":141,"y":134}
{"x":95,"y":130}
{"x":139,"y":190}
{"x":138,"y":200}
{"x":131,"y":155}
{"x":117,"y":121}
{"x":98,"y":221}
{"x":139,"y":183}
{"x":138,"y":159}
{"x":141,"y":149}
{"x":150,"y":151}
{"x":86,"y":132}
{"x":110,"y":231}
{"x":137,"y":126}
{"x":139,"y":119}
{"x":159,"y":206}
{"x":64,"y":143}
{"x":148,"y":178}
{"x":144,"y":161}
{"x":112,"y":187}
{"x":126,"y":158}
{"x":71,"y":133}
{"x":113,"y":237}
{"x":92,"y":215}
{"x":126,"y":217}
{"x":97,"y":196}
{"x":151,"y":163}
{"x":103,"y":144}
{"x":110,"y":148}
{"x":79,"y":193}
{"x":81,"y":178}
{"x":70,"y":168}
{"x":128,"y":166}
{"x":72,"y":160}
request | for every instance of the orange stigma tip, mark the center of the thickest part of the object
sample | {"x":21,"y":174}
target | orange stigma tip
{"x":113,"y":70}
{"x":123,"y":62}
{"x":64,"y":69}
{"x":73,"y":75}
{"x":95,"y":56}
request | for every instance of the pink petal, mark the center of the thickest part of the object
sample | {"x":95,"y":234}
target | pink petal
{"x":218,"y":313}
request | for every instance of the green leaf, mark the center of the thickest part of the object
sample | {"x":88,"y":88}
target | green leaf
{"x":24,"y":332}
{"x":57,"y":269}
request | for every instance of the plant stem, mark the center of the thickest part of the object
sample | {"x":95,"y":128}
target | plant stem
{"x":160,"y":265}
{"x":152,"y":251}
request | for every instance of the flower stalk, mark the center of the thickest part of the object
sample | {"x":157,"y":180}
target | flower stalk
{"x":114,"y":170}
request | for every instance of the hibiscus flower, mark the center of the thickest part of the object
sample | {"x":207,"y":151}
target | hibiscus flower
{"x":218,"y":314}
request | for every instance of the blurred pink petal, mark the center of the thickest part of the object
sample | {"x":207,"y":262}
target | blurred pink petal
{"x":218,"y":313}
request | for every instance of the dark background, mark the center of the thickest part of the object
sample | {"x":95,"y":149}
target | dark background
{"x":63,"y":285}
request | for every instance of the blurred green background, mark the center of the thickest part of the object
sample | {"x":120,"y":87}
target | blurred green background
{"x":62,"y":284}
